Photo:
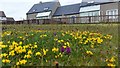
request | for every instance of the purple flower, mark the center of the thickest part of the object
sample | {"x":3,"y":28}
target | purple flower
{"x":68,"y":50}
{"x":62,"y":49}
{"x":55,"y":33}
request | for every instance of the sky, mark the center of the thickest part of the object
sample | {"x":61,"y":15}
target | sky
{"x":18,"y":8}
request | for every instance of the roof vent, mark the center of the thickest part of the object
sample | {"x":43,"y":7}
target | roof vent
{"x":46,"y":8}
{"x":91,"y":1}
{"x":34,"y":10}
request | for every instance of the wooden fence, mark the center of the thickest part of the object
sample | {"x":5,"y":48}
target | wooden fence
{"x":69,"y":20}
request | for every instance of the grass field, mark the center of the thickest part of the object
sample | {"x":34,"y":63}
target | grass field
{"x":68,"y":45}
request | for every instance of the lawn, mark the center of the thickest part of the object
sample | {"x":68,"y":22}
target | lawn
{"x":67,"y":45}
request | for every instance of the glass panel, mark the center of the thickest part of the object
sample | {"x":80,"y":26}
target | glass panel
{"x":43,"y":14}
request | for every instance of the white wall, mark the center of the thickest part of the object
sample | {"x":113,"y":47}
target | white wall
{"x":3,"y":18}
{"x":90,"y":8}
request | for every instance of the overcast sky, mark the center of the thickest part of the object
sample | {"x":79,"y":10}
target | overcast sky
{"x":19,"y":8}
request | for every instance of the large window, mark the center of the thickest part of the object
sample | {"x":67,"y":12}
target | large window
{"x":91,"y":13}
{"x":112,"y":12}
{"x":43,"y":14}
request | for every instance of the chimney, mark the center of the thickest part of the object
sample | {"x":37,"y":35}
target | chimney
{"x":40,"y":2}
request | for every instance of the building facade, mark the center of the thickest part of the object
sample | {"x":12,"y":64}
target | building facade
{"x":84,"y":12}
{"x":42,"y":10}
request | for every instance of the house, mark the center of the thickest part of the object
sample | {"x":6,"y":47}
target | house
{"x":5,"y":19}
{"x":85,"y":12}
{"x":43,"y":10}
{"x":2,"y":16}
{"x":71,"y":11}
{"x":10,"y":19}
{"x":99,"y":8}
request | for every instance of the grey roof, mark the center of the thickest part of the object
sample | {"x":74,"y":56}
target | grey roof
{"x":41,"y":6}
{"x":102,"y":1}
{"x":2,"y":14}
{"x":67,"y":10}
{"x":10,"y":19}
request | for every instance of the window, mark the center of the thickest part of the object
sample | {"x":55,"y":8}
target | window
{"x":112,"y":12}
{"x":91,"y":13}
{"x":43,"y":14}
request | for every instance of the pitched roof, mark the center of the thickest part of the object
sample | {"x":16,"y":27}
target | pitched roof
{"x":68,"y":9}
{"x":40,"y":7}
{"x":2,"y":14}
{"x":101,"y":1}
{"x":10,"y":19}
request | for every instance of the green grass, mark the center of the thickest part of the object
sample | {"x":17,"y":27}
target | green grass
{"x":106,"y":50}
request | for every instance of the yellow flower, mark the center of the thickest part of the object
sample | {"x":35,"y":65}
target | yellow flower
{"x":35,"y":46}
{"x":46,"y":60}
{"x":112,"y":59}
{"x":60,"y":55}
{"x":1,"y":42}
{"x":56,"y":56}
{"x":12,"y":53}
{"x":111,"y":65}
{"x":3,"y":46}
{"x":38,"y":53}
{"x":14,"y":43}
{"x":55,"y":49}
{"x":8,"y":42}
{"x":27,"y":56}
{"x":99,"y":40}
{"x":24,"y":50}
{"x":20,"y":42}
{"x":23,"y":61}
{"x":92,"y":46}
{"x":5,"y":61}
{"x":4,"y":55}
{"x":18,"y":63}
{"x":45,"y":51}
{"x":29,"y":52}
{"x":89,"y":52}
{"x":64,"y":46}
{"x":19,"y":51}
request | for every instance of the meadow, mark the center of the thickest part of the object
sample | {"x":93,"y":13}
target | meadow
{"x":67,"y":45}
